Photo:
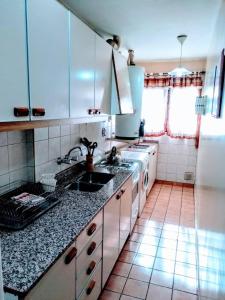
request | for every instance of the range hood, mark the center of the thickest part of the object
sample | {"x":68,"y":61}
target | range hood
{"x":122,"y":90}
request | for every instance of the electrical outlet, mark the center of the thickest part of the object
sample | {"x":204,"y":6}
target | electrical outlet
{"x":188,"y":175}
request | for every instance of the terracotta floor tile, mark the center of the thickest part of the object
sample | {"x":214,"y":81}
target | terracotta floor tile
{"x":141,"y":222}
{"x":155,"y":224}
{"x":122,"y":269}
{"x":125,"y":297}
{"x":116,"y":283}
{"x":127,"y":256}
{"x":166,"y":253}
{"x":150,"y":240}
{"x":184,"y":269}
{"x":132,"y":246}
{"x":108,"y":295}
{"x":147,"y":249}
{"x":162,"y":278}
{"x":185,"y":284}
{"x":145,"y":216}
{"x":166,"y":243}
{"x":156,"y":292}
{"x":140,"y":273}
{"x":178,"y":295}
{"x":135,"y":288}
{"x":186,"y":247}
{"x":144,"y":260}
{"x":186,"y":257}
{"x":164,"y":265}
{"x":136,"y":237}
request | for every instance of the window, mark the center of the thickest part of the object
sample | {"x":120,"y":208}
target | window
{"x":171,"y":113}
{"x":182,"y":121}
{"x":154,"y":108}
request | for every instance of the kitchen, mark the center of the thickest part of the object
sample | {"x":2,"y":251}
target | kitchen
{"x":111,"y":150}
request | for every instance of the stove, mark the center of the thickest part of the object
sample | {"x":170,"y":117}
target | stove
{"x":122,"y":165}
{"x":15,"y":214}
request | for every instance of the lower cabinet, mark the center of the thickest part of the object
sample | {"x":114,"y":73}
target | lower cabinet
{"x":111,"y":234}
{"x":116,"y":227}
{"x":59,"y":282}
{"x":125,"y":212}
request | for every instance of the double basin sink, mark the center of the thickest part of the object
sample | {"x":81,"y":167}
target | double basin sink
{"x":90,"y":182}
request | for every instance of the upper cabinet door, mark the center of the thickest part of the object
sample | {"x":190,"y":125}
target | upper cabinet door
{"x":103,"y":75}
{"x":13,"y":60}
{"x":48,"y":48}
{"x":82,"y":68}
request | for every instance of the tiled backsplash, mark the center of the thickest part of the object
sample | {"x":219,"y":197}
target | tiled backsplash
{"x":175,"y":157}
{"x":52,"y":142}
{"x":14,"y":158}
{"x":25,"y":155}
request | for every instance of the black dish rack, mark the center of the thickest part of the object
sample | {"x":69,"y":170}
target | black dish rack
{"x":15,"y":215}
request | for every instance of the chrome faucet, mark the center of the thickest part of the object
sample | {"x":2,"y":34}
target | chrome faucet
{"x":67,"y":159}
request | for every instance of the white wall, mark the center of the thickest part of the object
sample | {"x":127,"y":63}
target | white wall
{"x":210,"y":185}
{"x":175,"y":157}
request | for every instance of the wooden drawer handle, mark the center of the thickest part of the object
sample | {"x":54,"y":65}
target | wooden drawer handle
{"x":21,"y":111}
{"x":122,"y":191}
{"x":91,"y":267}
{"x":70,"y":255}
{"x":38,"y":112}
{"x":91,"y":229}
{"x":91,"y":248}
{"x":90,"y":287}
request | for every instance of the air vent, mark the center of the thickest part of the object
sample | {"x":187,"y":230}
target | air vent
{"x":188,"y":175}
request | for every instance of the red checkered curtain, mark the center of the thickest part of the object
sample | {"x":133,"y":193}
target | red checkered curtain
{"x":165,"y":80}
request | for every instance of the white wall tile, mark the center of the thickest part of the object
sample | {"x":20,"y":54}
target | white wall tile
{"x":162,"y":158}
{"x":41,"y":152}
{"x":65,"y":144}
{"x":18,"y":175}
{"x":54,"y":148}
{"x":17,"y":156}
{"x":4,"y":179}
{"x":65,"y":130}
{"x":171,"y":168}
{"x":3,"y":139}
{"x":161,"y":168}
{"x":83,"y":130}
{"x":4,"y":160}
{"x":40,"y":134}
{"x":49,"y":167}
{"x":54,"y":131}
{"x":15,"y":137}
{"x":75,"y":129}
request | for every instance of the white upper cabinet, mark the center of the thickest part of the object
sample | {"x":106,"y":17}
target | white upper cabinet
{"x":103,"y":75}
{"x":48,"y":49}
{"x":13,"y":60}
{"x":82,"y":68}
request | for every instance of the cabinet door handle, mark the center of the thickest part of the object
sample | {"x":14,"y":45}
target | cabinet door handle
{"x":38,"y":112}
{"x":118,"y":196}
{"x":122,"y":191}
{"x":91,"y":267}
{"x":91,"y":248}
{"x":91,"y":229}
{"x":70,"y":255}
{"x":90,"y":287}
{"x":21,"y":111}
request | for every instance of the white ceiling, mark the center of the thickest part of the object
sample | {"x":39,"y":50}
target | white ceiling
{"x":150,"y":27}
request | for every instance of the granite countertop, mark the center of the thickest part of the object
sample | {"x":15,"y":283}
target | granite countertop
{"x":27,"y":254}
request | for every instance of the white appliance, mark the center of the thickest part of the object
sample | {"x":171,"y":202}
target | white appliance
{"x":142,"y":159}
{"x":151,"y":150}
{"x":127,"y":126}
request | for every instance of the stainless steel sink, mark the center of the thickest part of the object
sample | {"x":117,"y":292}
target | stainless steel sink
{"x":95,"y":178}
{"x":91,"y":182}
{"x":85,"y":187}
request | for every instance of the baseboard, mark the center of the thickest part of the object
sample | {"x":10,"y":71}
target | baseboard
{"x":191,"y":185}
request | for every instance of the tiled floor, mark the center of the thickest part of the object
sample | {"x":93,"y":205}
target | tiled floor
{"x":158,"y":261}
